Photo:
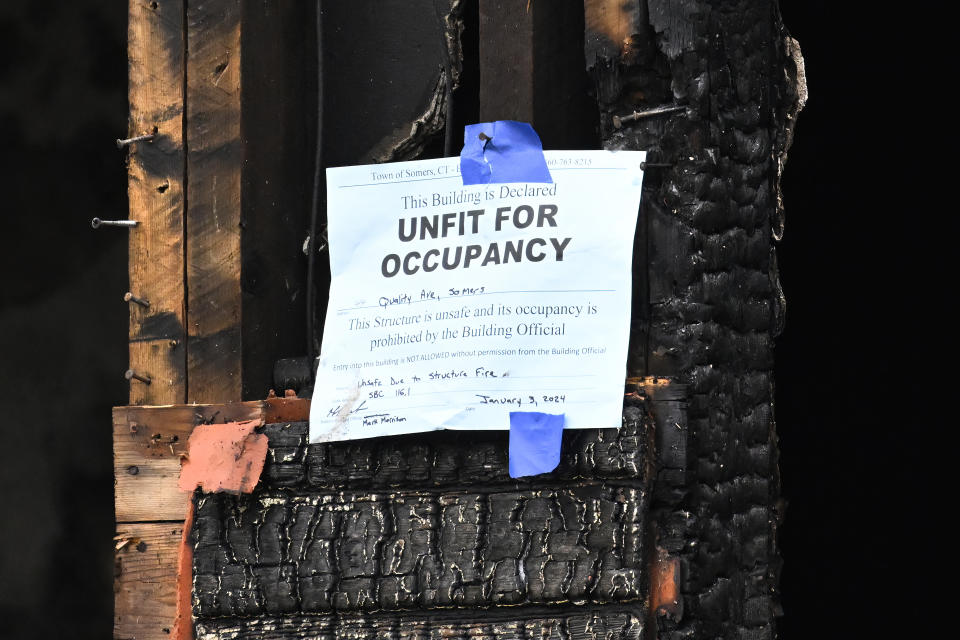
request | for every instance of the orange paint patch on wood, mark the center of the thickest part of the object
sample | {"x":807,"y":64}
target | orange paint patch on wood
{"x":224,"y":457}
{"x":183,"y":623}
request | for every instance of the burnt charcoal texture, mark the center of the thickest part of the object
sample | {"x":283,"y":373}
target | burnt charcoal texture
{"x":583,"y":624}
{"x":445,"y":458}
{"x":403,"y":529}
{"x":710,"y":218}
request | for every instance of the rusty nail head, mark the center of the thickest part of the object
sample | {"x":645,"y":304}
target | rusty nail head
{"x":133,"y":469}
{"x":129,"y":297}
{"x":123,"y":142}
{"x":133,"y":375}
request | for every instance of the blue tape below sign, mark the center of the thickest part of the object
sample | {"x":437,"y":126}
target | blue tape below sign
{"x":508,"y":151}
{"x":534,"y":442}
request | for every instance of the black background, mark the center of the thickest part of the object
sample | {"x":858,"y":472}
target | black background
{"x":859,"y":268}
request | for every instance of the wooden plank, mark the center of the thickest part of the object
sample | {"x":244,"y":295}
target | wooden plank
{"x":164,"y":361}
{"x":612,"y":29}
{"x":214,"y":158}
{"x":506,"y":33}
{"x":712,"y":288}
{"x":155,"y":189}
{"x":148,"y":441}
{"x":279,"y":88}
{"x":145,"y":580}
{"x":530,"y":72}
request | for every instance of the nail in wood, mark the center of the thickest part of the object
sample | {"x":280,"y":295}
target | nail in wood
{"x":96,"y":223}
{"x":131,"y":374}
{"x":655,"y":165}
{"x":129,"y":297}
{"x":125,"y":142}
{"x":637,"y":115}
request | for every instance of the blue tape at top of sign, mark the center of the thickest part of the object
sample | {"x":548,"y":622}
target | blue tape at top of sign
{"x":534,"y":442}
{"x":507,"y":151}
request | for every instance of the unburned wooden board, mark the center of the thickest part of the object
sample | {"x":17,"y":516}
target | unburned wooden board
{"x":155,"y":190}
{"x":148,"y":442}
{"x":145,"y":580}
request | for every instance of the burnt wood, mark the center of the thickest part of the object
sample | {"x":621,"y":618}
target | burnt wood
{"x":425,"y":522}
{"x":564,"y":623}
{"x":714,"y":302}
{"x":383,"y":77}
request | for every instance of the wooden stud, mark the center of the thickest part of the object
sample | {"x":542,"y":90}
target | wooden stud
{"x":214,"y":158}
{"x":145,"y":579}
{"x":279,"y":134}
{"x":155,"y":190}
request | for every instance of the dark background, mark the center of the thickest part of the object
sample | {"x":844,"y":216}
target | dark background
{"x":852,"y":368}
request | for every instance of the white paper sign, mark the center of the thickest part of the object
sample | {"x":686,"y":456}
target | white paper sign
{"x":451,"y":306}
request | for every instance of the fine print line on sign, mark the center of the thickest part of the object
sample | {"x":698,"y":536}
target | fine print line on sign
{"x":457,"y":306}
{"x":374,"y":184}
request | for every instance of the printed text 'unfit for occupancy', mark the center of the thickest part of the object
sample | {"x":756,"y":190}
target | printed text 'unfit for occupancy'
{"x":468,"y":222}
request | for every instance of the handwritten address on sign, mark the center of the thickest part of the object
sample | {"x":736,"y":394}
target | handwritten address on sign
{"x":452,"y":305}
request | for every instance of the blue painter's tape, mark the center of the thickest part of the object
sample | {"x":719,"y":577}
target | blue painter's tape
{"x":534,"y":442}
{"x":509,"y":151}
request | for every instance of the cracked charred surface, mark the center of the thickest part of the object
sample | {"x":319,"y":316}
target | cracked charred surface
{"x":392,"y":532}
{"x":585,"y":624}
{"x":715,"y":303}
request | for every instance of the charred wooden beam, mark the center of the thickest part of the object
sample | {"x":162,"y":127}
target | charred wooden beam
{"x":710,"y":221}
{"x":419,"y":549}
{"x":426,"y":522}
{"x":567,"y":623}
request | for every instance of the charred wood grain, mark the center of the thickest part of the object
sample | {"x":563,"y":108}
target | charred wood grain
{"x":566,"y":623}
{"x":447,"y":458}
{"x":422,"y":523}
{"x":714,"y":301}
{"x":275,"y":553}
